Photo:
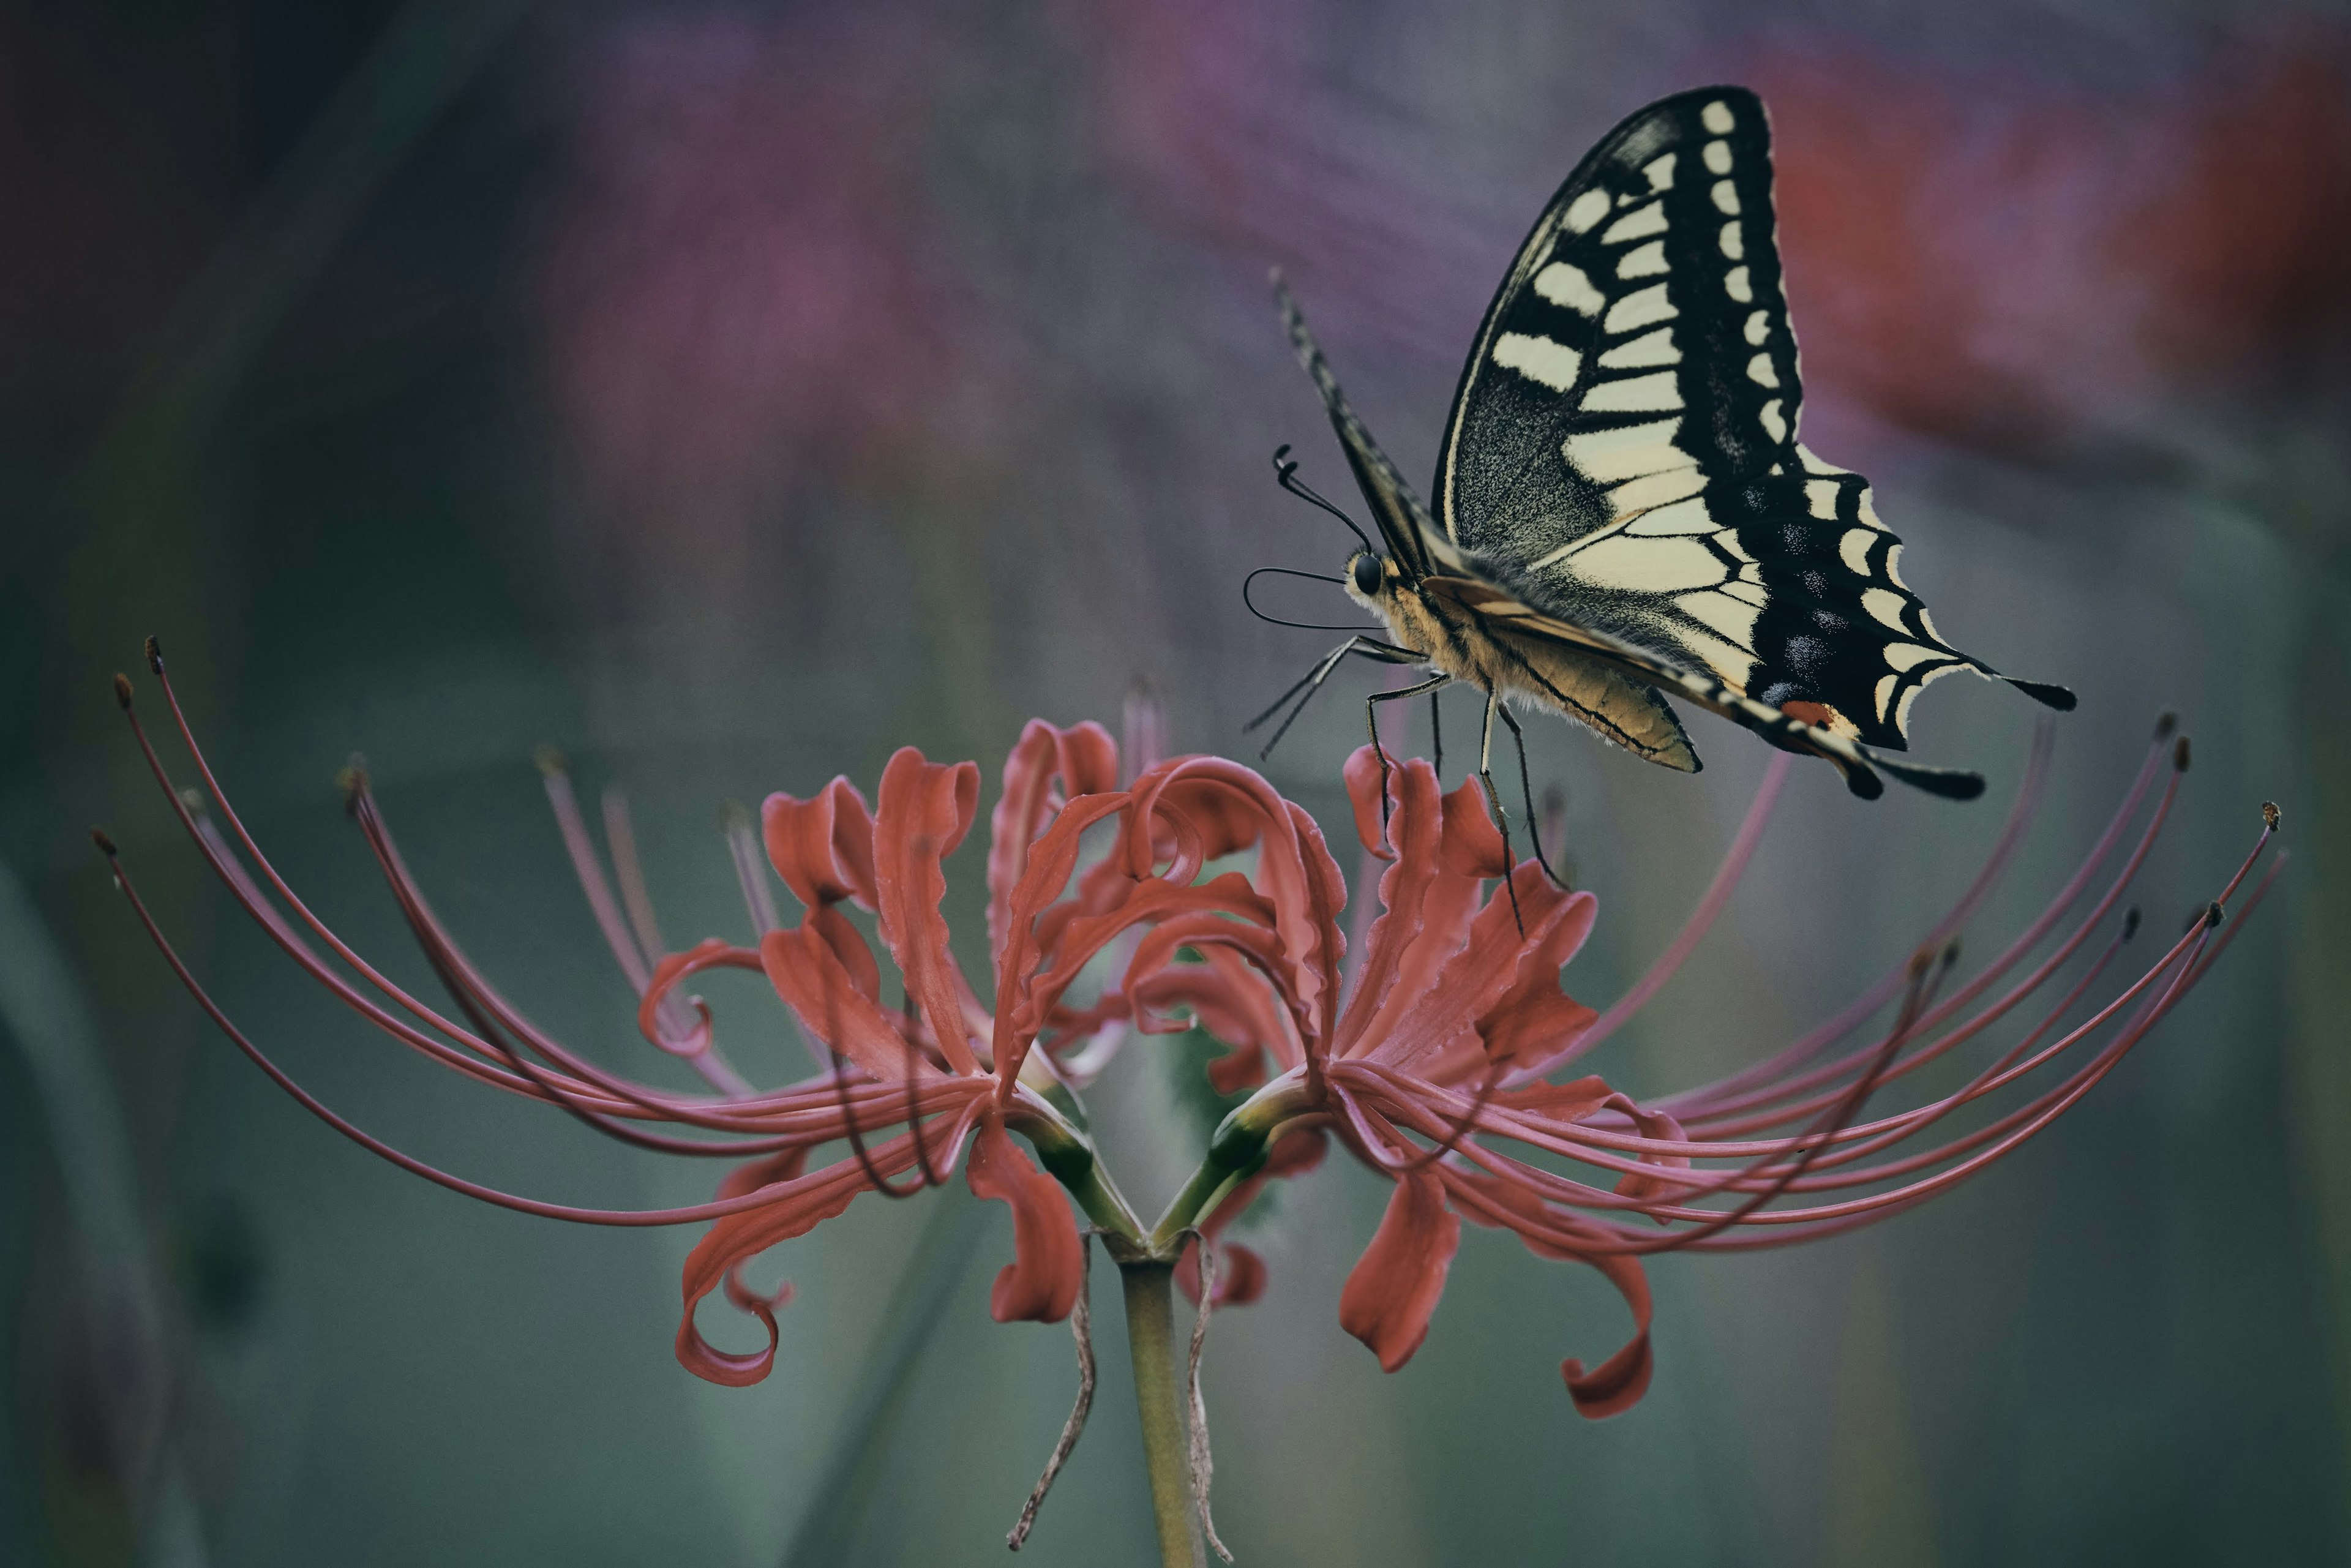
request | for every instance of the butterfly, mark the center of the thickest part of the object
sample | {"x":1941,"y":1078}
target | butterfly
{"x":1623,"y":511}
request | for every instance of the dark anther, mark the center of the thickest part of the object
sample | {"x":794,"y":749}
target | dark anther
{"x":2270,"y":815}
{"x":2213,"y":913}
{"x":122,"y":690}
{"x":1366,"y":571}
{"x":105,"y":845}
{"x":2130,"y":922}
{"x":550,"y":761}
{"x":2179,"y":754}
{"x":2165,"y":723}
{"x":353,"y":782}
{"x":154,"y":655}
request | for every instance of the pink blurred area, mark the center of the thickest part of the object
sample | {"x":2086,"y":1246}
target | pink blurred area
{"x":2004,"y":268}
{"x":740,"y":290}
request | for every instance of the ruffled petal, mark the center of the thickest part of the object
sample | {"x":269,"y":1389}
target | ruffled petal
{"x":1230,"y":1000}
{"x":1223,"y":807}
{"x":1051,"y":860}
{"x":802,"y":1203}
{"x":924,"y":809}
{"x":835,"y":1010}
{"x":1394,"y":1286}
{"x":1413,"y":834}
{"x":1046,"y":770}
{"x":1042,"y":1283}
{"x":1437,"y":1034}
{"x":823,"y":847}
{"x":1534,"y":1022}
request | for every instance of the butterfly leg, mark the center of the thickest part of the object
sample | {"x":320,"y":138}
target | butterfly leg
{"x":1526,"y":786}
{"x":1494,"y":799}
{"x":1311,"y":682}
{"x":1436,"y":739}
{"x":1372,"y":722}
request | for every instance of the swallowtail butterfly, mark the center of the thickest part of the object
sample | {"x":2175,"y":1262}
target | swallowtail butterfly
{"x":1623,"y":507}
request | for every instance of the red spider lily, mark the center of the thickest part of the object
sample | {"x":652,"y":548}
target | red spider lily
{"x":948,"y":1073}
{"x":1441,"y":1052}
{"x":1434,"y":1060}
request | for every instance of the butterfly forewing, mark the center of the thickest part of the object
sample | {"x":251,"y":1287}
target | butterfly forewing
{"x":1622,"y":452}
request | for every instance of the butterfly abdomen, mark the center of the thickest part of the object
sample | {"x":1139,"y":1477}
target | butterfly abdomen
{"x":1530,"y":672}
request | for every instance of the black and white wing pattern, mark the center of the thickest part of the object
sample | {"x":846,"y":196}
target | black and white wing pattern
{"x":1622,"y":453}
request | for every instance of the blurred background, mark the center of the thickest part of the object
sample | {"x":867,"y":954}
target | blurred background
{"x":729,"y":394}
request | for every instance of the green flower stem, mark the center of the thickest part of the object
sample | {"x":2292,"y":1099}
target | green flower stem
{"x":1151,"y":1340}
{"x":1236,"y":1152}
{"x":1067,"y":1154}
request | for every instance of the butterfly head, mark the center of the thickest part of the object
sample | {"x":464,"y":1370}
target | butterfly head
{"x":1371,"y":578}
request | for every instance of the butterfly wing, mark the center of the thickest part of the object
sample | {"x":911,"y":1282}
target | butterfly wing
{"x":1404,"y":520}
{"x":1622,"y":452}
{"x":1513,"y":624}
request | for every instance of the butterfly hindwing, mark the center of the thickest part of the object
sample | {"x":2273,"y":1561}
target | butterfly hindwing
{"x":1622,"y":451}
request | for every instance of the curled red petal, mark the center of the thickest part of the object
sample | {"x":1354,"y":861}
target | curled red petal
{"x":1405,"y":888}
{"x":822,"y":847}
{"x":709,"y":954}
{"x":1617,"y":1384}
{"x":1229,"y":807}
{"x":849,"y":945}
{"x":924,"y":809}
{"x":1394,"y":1287}
{"x":802,"y":1203}
{"x":766,"y":1171}
{"x":732,"y":1369}
{"x":1241,"y":1275}
{"x":1659,"y":1126}
{"x":1242,"y":1067}
{"x":1052,"y":859}
{"x":1047,"y":767}
{"x":1570,"y":1102}
{"x":832,"y":1005}
{"x":1040,"y":1283}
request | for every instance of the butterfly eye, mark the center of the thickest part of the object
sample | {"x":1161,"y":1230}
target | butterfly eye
{"x":1366,"y":568}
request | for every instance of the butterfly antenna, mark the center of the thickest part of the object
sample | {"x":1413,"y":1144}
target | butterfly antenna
{"x":1276,"y":621}
{"x":1285,"y":472}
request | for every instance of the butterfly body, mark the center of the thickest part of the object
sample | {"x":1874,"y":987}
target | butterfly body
{"x":1623,"y":509}
{"x":1434,"y":618}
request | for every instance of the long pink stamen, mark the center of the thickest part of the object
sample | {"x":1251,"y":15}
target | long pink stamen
{"x":692,"y":1214}
{"x":1710,"y":904}
{"x":1694,"y":1103}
